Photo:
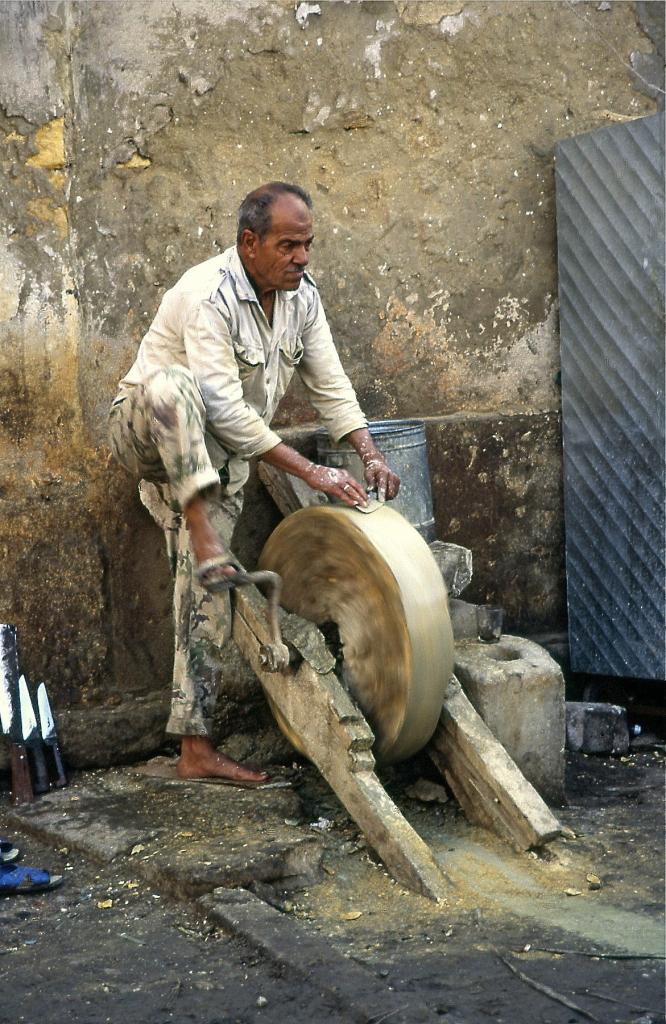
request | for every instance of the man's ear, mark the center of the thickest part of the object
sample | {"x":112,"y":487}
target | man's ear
{"x":248,"y":241}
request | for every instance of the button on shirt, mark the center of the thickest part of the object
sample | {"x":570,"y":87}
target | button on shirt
{"x":212,"y":322}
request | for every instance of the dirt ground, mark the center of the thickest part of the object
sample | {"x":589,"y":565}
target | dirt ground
{"x":149,"y":959}
{"x":143,"y":961}
{"x":516,"y":908}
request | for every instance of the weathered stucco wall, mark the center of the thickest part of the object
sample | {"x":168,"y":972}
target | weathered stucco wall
{"x":425,"y":132}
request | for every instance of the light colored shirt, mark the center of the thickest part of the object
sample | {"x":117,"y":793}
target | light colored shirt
{"x":212,"y":322}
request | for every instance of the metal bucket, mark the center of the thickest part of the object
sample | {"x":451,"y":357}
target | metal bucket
{"x":403,"y":444}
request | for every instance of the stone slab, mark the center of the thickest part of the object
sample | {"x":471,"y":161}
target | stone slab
{"x":596,"y":728}
{"x":288,"y":943}
{"x":185,"y":837}
{"x":88,"y":736}
{"x":518,"y":690}
{"x":87,"y":819}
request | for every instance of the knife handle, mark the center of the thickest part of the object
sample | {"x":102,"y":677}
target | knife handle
{"x":21,"y":782}
{"x":61,"y":778}
{"x":42,"y":784}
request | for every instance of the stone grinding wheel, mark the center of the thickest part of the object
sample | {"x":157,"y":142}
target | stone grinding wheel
{"x":374,"y":576}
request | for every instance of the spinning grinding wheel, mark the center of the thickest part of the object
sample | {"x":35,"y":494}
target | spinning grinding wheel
{"x":374,"y":576}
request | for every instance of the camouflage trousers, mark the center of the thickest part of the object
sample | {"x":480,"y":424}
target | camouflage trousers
{"x":157,"y":433}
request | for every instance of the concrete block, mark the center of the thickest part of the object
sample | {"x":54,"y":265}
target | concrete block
{"x":518,"y":690}
{"x":597,"y":728}
{"x":463,"y":619}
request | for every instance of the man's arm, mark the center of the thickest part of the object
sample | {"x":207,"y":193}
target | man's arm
{"x":331,"y":393}
{"x":378,"y":475}
{"x":336,"y":482}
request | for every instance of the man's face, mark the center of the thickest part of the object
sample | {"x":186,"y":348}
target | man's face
{"x":277,"y":260}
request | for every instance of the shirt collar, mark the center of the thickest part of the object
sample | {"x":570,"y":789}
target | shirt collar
{"x":244,"y":289}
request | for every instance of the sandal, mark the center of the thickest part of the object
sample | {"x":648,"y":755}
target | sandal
{"x":15,"y":881}
{"x":8,"y":852}
{"x":210,"y":577}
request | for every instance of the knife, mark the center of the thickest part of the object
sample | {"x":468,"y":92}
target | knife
{"x":31,"y":738}
{"x":49,"y":735}
{"x":22,"y":791}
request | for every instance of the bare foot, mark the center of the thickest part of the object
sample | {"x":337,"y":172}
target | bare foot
{"x":200,"y":760}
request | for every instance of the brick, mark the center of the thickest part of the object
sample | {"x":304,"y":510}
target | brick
{"x":594,"y":728}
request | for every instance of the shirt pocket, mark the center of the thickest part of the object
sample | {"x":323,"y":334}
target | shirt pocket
{"x":248,"y":359}
{"x":291,"y":348}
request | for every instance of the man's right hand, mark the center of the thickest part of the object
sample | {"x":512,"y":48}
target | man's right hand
{"x":338,"y":483}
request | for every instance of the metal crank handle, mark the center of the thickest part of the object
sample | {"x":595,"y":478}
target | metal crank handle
{"x":274,"y":656}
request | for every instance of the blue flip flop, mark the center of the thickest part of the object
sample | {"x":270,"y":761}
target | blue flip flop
{"x":15,"y":881}
{"x":8,"y":852}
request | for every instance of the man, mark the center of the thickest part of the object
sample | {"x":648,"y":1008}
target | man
{"x":196,"y":405}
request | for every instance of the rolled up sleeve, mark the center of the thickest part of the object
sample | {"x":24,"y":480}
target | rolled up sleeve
{"x":327,"y":385}
{"x":210,"y":355}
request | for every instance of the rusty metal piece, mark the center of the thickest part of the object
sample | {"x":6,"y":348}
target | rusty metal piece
{"x":274,"y":656}
{"x":376,"y":579}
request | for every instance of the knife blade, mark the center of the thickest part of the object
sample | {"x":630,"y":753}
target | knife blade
{"x":31,"y":738}
{"x":9,"y":673}
{"x":5,"y":711}
{"x":49,"y":734}
{"x":29,"y":730}
{"x":46,"y":722}
{"x":21,"y":783}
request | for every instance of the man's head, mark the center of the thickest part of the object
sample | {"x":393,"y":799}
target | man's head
{"x":275,"y":234}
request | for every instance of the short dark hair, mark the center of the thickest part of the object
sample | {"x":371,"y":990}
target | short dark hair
{"x":254,"y":213}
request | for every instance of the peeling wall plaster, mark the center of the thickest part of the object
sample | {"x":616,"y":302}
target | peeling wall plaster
{"x":12,"y":277}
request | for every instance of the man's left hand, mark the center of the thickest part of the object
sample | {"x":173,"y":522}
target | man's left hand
{"x":380,"y":478}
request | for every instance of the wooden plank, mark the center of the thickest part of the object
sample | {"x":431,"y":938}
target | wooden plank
{"x":288,"y":492}
{"x":336,"y":737}
{"x":489,"y":787}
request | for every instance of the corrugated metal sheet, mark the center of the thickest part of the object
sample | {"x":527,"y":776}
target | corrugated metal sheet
{"x":610,"y":231}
